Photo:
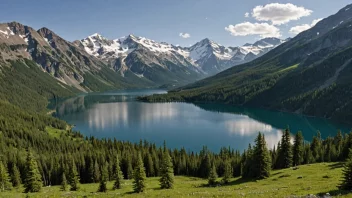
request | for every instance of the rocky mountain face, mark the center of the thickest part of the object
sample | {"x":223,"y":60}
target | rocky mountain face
{"x":61,"y":59}
{"x":96,"y":63}
{"x":310,"y":74}
{"x":205,"y":57}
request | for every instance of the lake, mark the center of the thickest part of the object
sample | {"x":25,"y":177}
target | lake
{"x":118,"y":115}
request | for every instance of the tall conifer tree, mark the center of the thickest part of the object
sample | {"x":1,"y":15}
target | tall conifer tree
{"x":103,"y":179}
{"x":285,"y":152}
{"x":298,"y":149}
{"x":347,"y":174}
{"x":63,"y":186}
{"x":5,"y":183}
{"x":118,"y":175}
{"x":139,"y":176}
{"x":167,"y":171}
{"x":33,"y":180}
{"x":213,"y":176}
{"x":227,"y":172}
{"x":261,"y":158}
{"x":73,"y":177}
{"x":15,"y":176}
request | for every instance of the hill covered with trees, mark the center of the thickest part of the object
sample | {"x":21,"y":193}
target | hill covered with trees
{"x":309,"y":74}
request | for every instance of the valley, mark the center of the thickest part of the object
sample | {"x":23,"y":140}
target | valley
{"x":267,"y":114}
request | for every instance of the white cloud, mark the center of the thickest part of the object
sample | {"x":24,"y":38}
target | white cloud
{"x":184,"y":35}
{"x":247,"y":28}
{"x":246,"y":14}
{"x":300,"y":28}
{"x":279,"y":13}
{"x":315,"y":21}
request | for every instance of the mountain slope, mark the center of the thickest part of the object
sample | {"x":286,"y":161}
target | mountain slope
{"x":309,"y":74}
{"x":62,"y":59}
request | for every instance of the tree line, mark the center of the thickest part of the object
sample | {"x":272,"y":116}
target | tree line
{"x":26,"y":141}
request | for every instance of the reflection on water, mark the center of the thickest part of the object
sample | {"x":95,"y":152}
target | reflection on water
{"x":117,"y":114}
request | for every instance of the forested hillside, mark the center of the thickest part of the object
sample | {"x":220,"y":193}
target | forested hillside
{"x":309,"y":74}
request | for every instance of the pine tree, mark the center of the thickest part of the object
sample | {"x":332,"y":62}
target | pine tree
{"x":103,"y":179}
{"x":118,"y":175}
{"x":212,"y":176}
{"x":285,"y":152}
{"x":338,"y":141}
{"x":205,"y":166}
{"x":166,"y":171}
{"x":5,"y":183}
{"x":227,"y":172}
{"x":149,"y":165}
{"x":63,"y":186}
{"x":315,"y":148}
{"x":96,"y":173}
{"x":298,"y":149}
{"x":247,"y":163}
{"x":15,"y":176}
{"x":33,"y":180}
{"x":73,"y":178}
{"x":261,"y":158}
{"x":139,"y":176}
{"x":347,"y":174}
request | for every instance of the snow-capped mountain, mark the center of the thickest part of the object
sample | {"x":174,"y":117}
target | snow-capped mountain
{"x":206,"y":56}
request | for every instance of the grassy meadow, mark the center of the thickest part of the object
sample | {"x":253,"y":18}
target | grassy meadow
{"x":316,"y":179}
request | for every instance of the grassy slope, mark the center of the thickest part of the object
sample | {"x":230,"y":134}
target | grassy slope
{"x":317,"y":179}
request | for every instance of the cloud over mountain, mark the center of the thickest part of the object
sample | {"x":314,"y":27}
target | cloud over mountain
{"x":300,"y":28}
{"x":279,"y":13}
{"x":184,"y":35}
{"x":248,"y":28}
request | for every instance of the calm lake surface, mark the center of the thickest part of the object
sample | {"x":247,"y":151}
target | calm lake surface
{"x":117,"y":114}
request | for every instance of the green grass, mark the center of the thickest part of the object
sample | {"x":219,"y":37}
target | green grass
{"x":55,"y":132}
{"x":315,"y":179}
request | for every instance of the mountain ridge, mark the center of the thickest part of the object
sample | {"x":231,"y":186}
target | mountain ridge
{"x":205,"y":56}
{"x":309,"y":74}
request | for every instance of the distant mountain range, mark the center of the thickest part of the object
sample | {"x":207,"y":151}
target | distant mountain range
{"x":96,"y":63}
{"x":206,"y":56}
{"x":310,"y":74}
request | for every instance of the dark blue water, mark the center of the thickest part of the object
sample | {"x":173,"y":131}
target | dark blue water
{"x":118,"y":114}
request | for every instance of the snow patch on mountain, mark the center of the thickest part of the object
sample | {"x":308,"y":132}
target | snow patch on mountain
{"x":201,"y":54}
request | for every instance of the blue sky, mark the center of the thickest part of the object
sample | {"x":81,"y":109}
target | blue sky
{"x":164,"y":20}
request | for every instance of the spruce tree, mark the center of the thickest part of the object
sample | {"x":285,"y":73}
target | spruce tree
{"x":5,"y":183}
{"x":261,"y":158}
{"x":96,"y":173}
{"x":227,"y":172}
{"x":139,"y":176}
{"x":205,"y":165}
{"x":63,"y":186}
{"x":118,"y":175}
{"x":298,"y":149}
{"x":73,"y":178}
{"x":33,"y":179}
{"x":149,"y":165}
{"x":103,"y":179}
{"x":347,"y":174}
{"x":285,"y":152}
{"x":166,"y":171}
{"x":338,"y":141}
{"x":15,"y":176}
{"x":212,"y":176}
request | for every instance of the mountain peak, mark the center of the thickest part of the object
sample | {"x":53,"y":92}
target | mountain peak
{"x":97,"y":35}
